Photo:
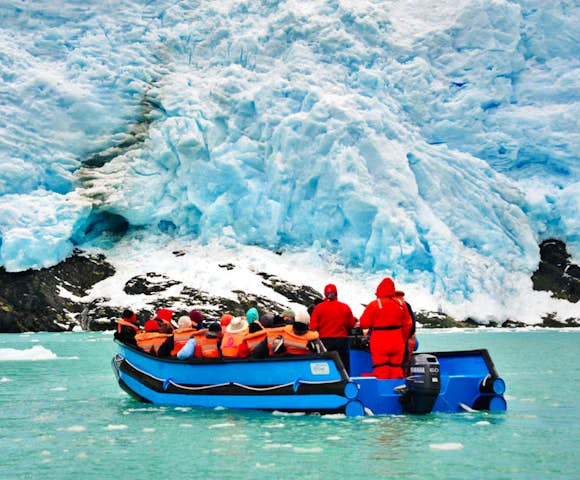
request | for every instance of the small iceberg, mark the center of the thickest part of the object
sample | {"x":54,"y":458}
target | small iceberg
{"x":38,"y":352}
{"x":446,"y":446}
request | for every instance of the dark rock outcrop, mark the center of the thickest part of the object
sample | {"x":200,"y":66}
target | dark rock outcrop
{"x":556,"y":273}
{"x":551,"y":321}
{"x":148,"y":284}
{"x":301,"y":294}
{"x":438,"y":320}
{"x":55,"y":299}
{"x":39,"y":300}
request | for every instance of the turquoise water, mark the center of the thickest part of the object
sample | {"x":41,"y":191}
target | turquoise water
{"x":66,"y":418}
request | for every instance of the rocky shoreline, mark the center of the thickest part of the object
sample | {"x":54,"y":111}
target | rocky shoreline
{"x":53,"y":299}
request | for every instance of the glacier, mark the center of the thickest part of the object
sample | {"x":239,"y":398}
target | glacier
{"x":437,"y":143}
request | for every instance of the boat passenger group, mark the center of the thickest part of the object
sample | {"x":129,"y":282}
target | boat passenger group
{"x":388,"y":320}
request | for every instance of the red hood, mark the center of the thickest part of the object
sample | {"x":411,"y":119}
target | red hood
{"x":386,"y":288}
{"x":164,"y":314}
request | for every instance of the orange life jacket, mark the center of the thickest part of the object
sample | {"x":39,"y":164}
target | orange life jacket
{"x":254,"y":339}
{"x":273,"y":333}
{"x":297,"y":344}
{"x":231,"y":343}
{"x":124,"y":323}
{"x":151,"y":341}
{"x":182,"y":335}
{"x":206,"y":347}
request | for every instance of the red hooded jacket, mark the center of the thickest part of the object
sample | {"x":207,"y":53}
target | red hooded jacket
{"x":332,"y":319}
{"x":386,"y":310}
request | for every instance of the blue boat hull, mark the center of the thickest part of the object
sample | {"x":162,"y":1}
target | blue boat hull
{"x":302,"y":383}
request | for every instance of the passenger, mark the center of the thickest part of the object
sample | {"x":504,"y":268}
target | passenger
{"x":298,"y":339}
{"x":255,"y":343}
{"x":259,"y":343}
{"x":409,"y":329}
{"x":267,"y":320}
{"x":182,"y":334}
{"x":225,"y":321}
{"x":208,"y":345}
{"x":274,"y":343}
{"x":127,"y":328}
{"x":203,"y":345}
{"x":197,"y":319}
{"x":252,"y":316}
{"x":288,"y":316}
{"x":385,"y":317}
{"x":333,"y":320}
{"x":233,"y":337}
{"x":155,"y":340}
{"x":164,"y":315}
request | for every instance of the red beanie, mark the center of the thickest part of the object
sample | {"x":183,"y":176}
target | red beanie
{"x":151,"y":326}
{"x":196,"y":317}
{"x":226,"y":319}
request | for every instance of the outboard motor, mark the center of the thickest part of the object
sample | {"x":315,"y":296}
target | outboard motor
{"x":422,"y":386}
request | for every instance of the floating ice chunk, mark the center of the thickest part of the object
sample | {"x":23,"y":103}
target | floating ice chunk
{"x":308,"y":450}
{"x":446,"y":446}
{"x":116,"y":427}
{"x":74,"y":428}
{"x":38,"y":352}
{"x":274,"y":446}
{"x":222,"y":425}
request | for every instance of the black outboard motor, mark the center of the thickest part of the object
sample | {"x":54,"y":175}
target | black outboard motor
{"x":422,"y":386}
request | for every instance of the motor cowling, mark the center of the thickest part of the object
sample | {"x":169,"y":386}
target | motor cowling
{"x":422,"y":386}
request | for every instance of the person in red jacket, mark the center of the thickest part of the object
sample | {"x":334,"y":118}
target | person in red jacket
{"x":332,"y":320}
{"x":386,"y":317}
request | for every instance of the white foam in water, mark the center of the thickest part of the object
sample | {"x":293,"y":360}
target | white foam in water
{"x":483,"y":422}
{"x":334,"y":416}
{"x":59,"y":389}
{"x":186,"y":425}
{"x":148,"y":430}
{"x":222,"y":425}
{"x":74,"y":428}
{"x":116,"y":427}
{"x":274,"y":425}
{"x":288,"y":414}
{"x":272,"y":446}
{"x":38,"y":352}
{"x":45,"y":418}
{"x":446,"y":446}
{"x":307,"y":450}
{"x":5,"y":380}
{"x":333,"y":438}
{"x":370,"y":420}
{"x":265,"y":466}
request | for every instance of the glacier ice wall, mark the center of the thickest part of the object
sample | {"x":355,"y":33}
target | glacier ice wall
{"x":438,"y":142}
